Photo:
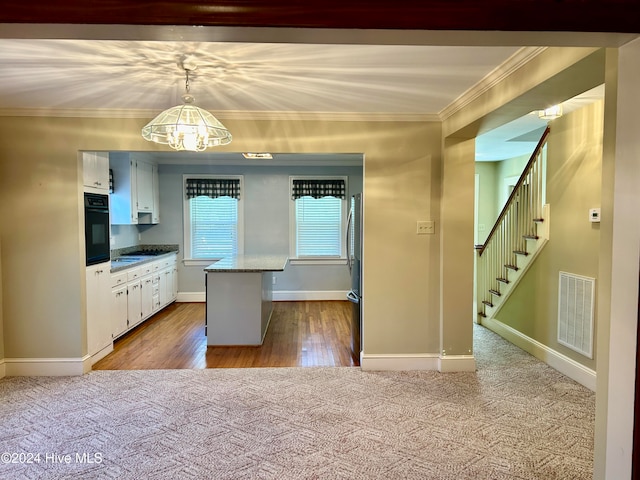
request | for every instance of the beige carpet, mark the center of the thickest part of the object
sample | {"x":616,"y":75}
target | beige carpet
{"x":515,"y":418}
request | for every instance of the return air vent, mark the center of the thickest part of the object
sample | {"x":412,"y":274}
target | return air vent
{"x":575,"y":312}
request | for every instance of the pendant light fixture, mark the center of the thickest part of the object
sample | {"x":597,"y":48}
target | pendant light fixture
{"x":186,"y":126}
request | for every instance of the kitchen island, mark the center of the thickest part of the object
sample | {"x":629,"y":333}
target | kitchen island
{"x":239,"y":293}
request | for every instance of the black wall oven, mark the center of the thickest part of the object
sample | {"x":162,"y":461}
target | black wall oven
{"x":96,"y":228}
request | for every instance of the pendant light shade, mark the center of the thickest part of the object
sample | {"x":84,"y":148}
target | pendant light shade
{"x":187,"y":127}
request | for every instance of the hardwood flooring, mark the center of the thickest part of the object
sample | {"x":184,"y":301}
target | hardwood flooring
{"x":300,"y":334}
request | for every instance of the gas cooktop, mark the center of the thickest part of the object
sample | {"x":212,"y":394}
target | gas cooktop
{"x":140,"y":253}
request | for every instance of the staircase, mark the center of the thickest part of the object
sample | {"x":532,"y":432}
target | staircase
{"x":518,"y":236}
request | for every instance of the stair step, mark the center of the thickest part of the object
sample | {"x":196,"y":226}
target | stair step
{"x":521,"y":252}
{"x":487,"y":303}
{"x":495,"y":292}
{"x":512,"y":267}
{"x":531,"y":237}
{"x":538,"y":220}
{"x":502,"y":280}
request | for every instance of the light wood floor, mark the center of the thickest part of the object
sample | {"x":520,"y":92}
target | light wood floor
{"x":300,"y":334}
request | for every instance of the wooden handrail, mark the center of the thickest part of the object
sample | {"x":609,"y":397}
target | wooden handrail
{"x":525,"y":172}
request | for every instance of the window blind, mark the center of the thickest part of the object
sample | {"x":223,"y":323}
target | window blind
{"x":318,"y":227}
{"x":214,"y":227}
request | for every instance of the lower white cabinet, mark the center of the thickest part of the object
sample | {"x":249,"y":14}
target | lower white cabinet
{"x":98,"y":308}
{"x":166,"y":286}
{"x":139,"y":292}
{"x":146,"y":297}
{"x":119,"y":311}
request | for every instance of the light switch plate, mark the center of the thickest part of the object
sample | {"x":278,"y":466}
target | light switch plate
{"x":594,"y":215}
{"x":425,"y":227}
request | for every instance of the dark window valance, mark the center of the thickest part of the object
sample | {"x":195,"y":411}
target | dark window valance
{"x":317,"y":188}
{"x":213,"y":187}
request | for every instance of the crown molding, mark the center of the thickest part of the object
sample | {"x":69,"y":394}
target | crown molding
{"x":225,"y":115}
{"x":502,"y":71}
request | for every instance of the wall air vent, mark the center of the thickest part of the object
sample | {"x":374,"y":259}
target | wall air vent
{"x":576,"y":295}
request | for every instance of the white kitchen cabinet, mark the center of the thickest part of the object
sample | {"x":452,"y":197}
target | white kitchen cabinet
{"x":155,"y":212}
{"x":148,"y":288}
{"x":119,"y":311}
{"x":134,"y":303}
{"x":135,"y":199}
{"x":155,"y":295}
{"x":166,"y":286}
{"x":146,"y":297}
{"x":95,"y":170}
{"x":144,"y":186}
{"x":174,"y":292}
{"x":98,"y":291}
{"x":124,"y":196}
{"x":168,"y":281}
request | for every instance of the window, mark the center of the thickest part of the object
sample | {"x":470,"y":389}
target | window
{"x":318,"y":218}
{"x":212,"y":217}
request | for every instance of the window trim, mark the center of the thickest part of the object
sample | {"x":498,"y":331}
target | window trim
{"x":339,"y":260}
{"x":186,"y":219}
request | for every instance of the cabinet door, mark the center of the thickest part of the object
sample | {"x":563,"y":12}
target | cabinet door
{"x":155,"y":214}
{"x":166,"y":286}
{"x":146,"y":296}
{"x":119,"y":311}
{"x":95,"y":170}
{"x":124,"y":210}
{"x":155,"y":296}
{"x":174,"y":293}
{"x":144,"y":186}
{"x":134,"y":303}
{"x":98,"y":307}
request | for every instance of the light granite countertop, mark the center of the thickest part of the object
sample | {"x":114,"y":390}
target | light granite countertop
{"x":250,"y":263}
{"x":121,"y":261}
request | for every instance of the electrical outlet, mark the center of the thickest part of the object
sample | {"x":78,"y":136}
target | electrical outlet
{"x":425,"y":227}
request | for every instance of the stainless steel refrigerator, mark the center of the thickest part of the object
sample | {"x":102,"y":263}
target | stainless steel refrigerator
{"x":354,"y":262}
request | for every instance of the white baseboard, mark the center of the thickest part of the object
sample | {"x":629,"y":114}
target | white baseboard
{"x":2,"y":368}
{"x":102,"y":353}
{"x":46,"y":367}
{"x":191,"y":297}
{"x":278,"y":296}
{"x":457,"y":363}
{"x":399,"y":362}
{"x":565,"y":365}
{"x":308,"y":295}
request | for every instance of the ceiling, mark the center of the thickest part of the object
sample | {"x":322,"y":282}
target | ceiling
{"x":99,"y":77}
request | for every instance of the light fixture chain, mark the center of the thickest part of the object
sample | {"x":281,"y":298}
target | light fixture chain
{"x":186,"y":83}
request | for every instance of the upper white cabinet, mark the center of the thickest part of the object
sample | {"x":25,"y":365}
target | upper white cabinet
{"x":144,"y":186}
{"x":135,"y":194}
{"x":95,"y":170}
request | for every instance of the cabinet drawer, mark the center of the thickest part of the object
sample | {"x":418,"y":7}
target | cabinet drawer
{"x":146,"y":269}
{"x":119,"y":278}
{"x":133,"y":273}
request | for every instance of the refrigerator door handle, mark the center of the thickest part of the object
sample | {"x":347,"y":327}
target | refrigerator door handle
{"x":352,"y":297}
{"x":348,"y":239}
